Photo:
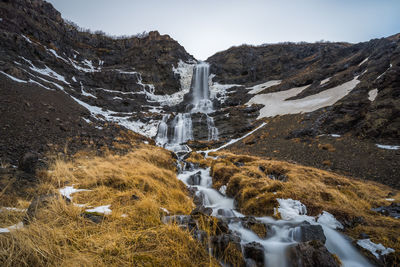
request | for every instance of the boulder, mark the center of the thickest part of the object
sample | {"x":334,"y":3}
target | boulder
{"x":194,"y":179}
{"x":28,"y":162}
{"x":308,"y":232}
{"x":310,"y":254}
{"x":254,"y":254}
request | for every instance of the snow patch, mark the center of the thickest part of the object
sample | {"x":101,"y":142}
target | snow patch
{"x":27,"y":39}
{"x":148,"y":129}
{"x":101,"y":209}
{"x":260,"y":87}
{"x":324,"y":81}
{"x":12,"y":227}
{"x":362,"y":62}
{"x":372,"y":94}
{"x":52,"y":51}
{"x":375,"y":249}
{"x":12,"y":209}
{"x":69,"y":190}
{"x":13,"y":78}
{"x":164,"y":210}
{"x":276,"y":103}
{"x":389,"y":199}
{"x":389,"y":147}
{"x":49,"y":73}
{"x":219,"y":91}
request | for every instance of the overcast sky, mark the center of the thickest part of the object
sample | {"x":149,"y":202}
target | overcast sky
{"x":205,"y":27}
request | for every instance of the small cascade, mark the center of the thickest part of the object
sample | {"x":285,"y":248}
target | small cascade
{"x":212,"y":130}
{"x":172,"y":134}
{"x":182,"y":125}
{"x":162,"y":134}
{"x":281,"y":234}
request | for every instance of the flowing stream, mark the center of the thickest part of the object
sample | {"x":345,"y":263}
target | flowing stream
{"x":173,"y":133}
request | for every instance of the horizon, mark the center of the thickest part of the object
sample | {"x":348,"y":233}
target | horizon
{"x":220,"y":28}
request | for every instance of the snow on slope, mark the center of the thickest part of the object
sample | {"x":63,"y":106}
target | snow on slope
{"x":258,"y":88}
{"x":276,"y":103}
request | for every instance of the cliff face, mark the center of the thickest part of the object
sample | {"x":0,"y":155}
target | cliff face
{"x":58,"y":82}
{"x":377,"y":64}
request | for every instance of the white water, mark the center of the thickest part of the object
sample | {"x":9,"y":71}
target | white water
{"x":181,"y":125}
{"x":283,"y":233}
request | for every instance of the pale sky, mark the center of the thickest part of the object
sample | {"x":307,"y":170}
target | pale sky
{"x":205,"y":27}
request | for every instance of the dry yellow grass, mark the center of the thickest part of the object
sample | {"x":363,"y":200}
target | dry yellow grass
{"x":347,"y":199}
{"x":60,"y":236}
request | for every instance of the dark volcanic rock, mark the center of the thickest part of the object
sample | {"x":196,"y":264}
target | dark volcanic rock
{"x":255,"y":253}
{"x":393,"y":210}
{"x":307,"y":232}
{"x":309,"y":254}
{"x":28,"y":162}
{"x":194,"y":179}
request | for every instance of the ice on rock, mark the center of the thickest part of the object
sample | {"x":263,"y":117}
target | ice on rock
{"x":375,"y":249}
{"x":329,"y":220}
{"x":290,"y":209}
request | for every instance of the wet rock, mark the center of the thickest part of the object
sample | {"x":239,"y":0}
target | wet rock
{"x":254,"y":254}
{"x":310,"y":254}
{"x":28,"y":162}
{"x":194,"y":179}
{"x":393,"y":210}
{"x":201,"y":210}
{"x":307,"y":232}
{"x":198,"y":199}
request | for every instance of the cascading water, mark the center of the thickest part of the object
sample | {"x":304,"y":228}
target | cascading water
{"x":173,"y":133}
{"x":181,"y":125}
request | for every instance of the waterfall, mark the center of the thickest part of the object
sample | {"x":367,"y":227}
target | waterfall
{"x":181,"y":125}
